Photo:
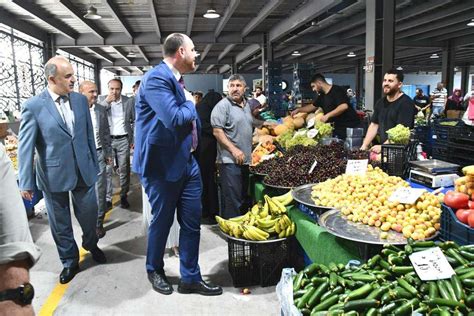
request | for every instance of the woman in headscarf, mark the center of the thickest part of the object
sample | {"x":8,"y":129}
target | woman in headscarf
{"x":454,"y":103}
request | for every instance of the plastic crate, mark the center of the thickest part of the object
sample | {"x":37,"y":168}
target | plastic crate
{"x":423,"y":134}
{"x":258,"y":263}
{"x":439,"y":150}
{"x":463,"y":134}
{"x":396,"y":158}
{"x":453,"y":229}
{"x":440,"y":131}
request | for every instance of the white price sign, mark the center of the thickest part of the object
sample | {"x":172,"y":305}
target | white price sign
{"x":406,"y":195}
{"x":357,"y":166}
{"x":431,"y":264}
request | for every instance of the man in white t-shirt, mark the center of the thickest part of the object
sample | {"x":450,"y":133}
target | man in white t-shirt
{"x":439,"y":96}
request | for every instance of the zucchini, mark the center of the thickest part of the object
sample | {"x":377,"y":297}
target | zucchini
{"x":455,"y":254}
{"x":433,"y":289}
{"x":424,"y":244}
{"x":324,"y":269}
{"x":469,"y":301}
{"x":338,"y":306}
{"x":337,"y":290}
{"x":371,"y":312}
{"x":439,"y":311}
{"x":467,"y":255}
{"x":318,"y":280}
{"x":449,"y":288}
{"x":377,"y":293}
{"x":311,"y":269}
{"x":468,"y":282}
{"x":462,"y":270}
{"x":298,"y":293}
{"x":358,"y":293}
{"x":362,"y":277}
{"x":297,"y":281}
{"x":393,"y":247}
{"x":407,"y":307}
{"x":316,"y":295}
{"x":404,"y":284}
{"x":457,"y":287}
{"x":448,"y":245}
{"x":387,"y":308}
{"x":332,"y":266}
{"x":360,"y":305}
{"x":304,"y":299}
{"x":332,"y":279}
{"x":468,"y":275}
{"x":443,"y":292}
{"x":448,"y":303}
{"x":330,"y":301}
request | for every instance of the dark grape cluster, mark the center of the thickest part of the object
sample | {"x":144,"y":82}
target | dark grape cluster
{"x":357,"y":154}
{"x":293,"y":169}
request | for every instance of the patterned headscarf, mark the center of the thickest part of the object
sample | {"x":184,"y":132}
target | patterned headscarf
{"x":456,"y":98}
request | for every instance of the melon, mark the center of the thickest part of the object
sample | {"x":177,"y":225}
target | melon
{"x":262,"y":131}
{"x":280,"y":129}
{"x":298,"y":122}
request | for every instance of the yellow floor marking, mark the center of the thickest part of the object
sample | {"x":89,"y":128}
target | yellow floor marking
{"x":57,"y":294}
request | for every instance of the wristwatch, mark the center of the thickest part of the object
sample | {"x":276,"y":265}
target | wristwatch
{"x":23,"y":294}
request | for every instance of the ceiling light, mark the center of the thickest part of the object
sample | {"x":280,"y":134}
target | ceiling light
{"x":434,"y":56}
{"x":351,"y":54}
{"x":296,"y":53}
{"x":211,"y":14}
{"x":399,"y":68}
{"x":471,"y":23}
{"x":92,"y":14}
{"x":131,"y":54}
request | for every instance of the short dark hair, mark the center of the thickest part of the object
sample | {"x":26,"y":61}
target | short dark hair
{"x":398,"y":73}
{"x":318,"y":77}
{"x":172,"y":43}
{"x":258,"y":87}
{"x":199,"y":93}
{"x":115,"y":79}
{"x":137,"y":84}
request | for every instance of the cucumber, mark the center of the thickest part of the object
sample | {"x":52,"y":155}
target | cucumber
{"x":455,"y":254}
{"x":404,"y":284}
{"x":424,"y":244}
{"x":337,"y":290}
{"x":332,"y":279}
{"x":360,"y":305}
{"x":388,"y":252}
{"x":326,"y":304}
{"x":371,"y":312}
{"x":442,"y":290}
{"x":433,"y":290}
{"x":448,"y":303}
{"x":316,"y":295}
{"x":468,"y":283}
{"x":462,"y":270}
{"x":449,"y":288}
{"x":457,"y":287}
{"x":387,"y":308}
{"x":305,"y":311}
{"x":373,"y":261}
{"x":298,"y":293}
{"x":304,"y":299}
{"x":469,"y":301}
{"x":360,"y":292}
{"x":362,"y":277}
{"x":318,"y":280}
{"x":468,"y":275}
{"x":377,"y":293}
{"x":297,"y":281}
{"x":333,"y":267}
{"x":407,"y":307}
{"x":467,"y":255}
{"x":384,"y":264}
{"x":311,"y":269}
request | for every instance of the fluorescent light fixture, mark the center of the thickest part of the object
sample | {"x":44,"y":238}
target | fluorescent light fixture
{"x":471,"y":23}
{"x":211,"y":14}
{"x":92,"y":14}
{"x":296,"y":53}
{"x":399,"y":68}
{"x":351,"y":54}
{"x":434,"y":56}
{"x":131,"y":54}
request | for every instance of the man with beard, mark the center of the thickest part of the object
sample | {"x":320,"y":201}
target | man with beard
{"x":393,"y":109}
{"x":167,"y":127}
{"x":333,"y":101}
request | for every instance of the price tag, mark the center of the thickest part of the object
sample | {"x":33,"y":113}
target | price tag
{"x":431,"y":264}
{"x":312,"y":133}
{"x":357,"y":166}
{"x":406,"y":195}
{"x":315,"y":163}
{"x":310,"y":123}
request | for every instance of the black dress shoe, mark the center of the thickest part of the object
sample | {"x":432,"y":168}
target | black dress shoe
{"x":100,"y":231}
{"x":98,"y":255}
{"x":201,"y":287}
{"x":68,"y":274}
{"x":160,"y":283}
{"x":124,"y":203}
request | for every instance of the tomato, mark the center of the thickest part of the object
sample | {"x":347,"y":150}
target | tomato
{"x":462,"y":214}
{"x":470,"y":220}
{"x":456,"y":200}
{"x":470,"y":204}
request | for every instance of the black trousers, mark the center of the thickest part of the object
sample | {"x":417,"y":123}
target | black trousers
{"x":206,"y":156}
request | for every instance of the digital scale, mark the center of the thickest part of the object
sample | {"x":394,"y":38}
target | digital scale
{"x":434,"y":173}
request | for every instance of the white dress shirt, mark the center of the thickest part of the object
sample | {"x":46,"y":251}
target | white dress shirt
{"x":95,"y":126}
{"x":178,"y":76}
{"x":117,"y":125}
{"x":55,"y":96}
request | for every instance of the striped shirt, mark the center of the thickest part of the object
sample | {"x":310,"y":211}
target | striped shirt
{"x":439,"y":97}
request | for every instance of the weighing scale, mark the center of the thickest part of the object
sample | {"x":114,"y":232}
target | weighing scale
{"x":434,"y":173}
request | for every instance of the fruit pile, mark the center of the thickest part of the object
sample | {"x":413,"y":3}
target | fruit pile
{"x":365,"y":199}
{"x":262,"y":152}
{"x":399,"y":135}
{"x":305,"y":136}
{"x":387,"y":285}
{"x":462,"y":199}
{"x":263,"y":221}
{"x":296,"y":167}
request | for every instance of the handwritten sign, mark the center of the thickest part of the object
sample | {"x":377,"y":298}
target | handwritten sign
{"x":431,"y":264}
{"x":406,"y":195}
{"x":357,"y":166}
{"x":315,"y":163}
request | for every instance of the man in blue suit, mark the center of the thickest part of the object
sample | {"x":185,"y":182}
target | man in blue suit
{"x":57,"y":123}
{"x":167,"y":126}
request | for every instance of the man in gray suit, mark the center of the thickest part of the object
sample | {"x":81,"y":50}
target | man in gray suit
{"x":121,"y":113}
{"x":101,"y":129}
{"x":57,"y":124}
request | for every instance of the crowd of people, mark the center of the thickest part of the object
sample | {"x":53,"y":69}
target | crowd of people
{"x":69,"y":143}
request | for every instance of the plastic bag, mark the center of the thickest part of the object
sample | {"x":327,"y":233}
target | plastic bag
{"x":284,"y":291}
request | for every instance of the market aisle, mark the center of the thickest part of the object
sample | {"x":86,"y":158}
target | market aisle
{"x":121,"y":287}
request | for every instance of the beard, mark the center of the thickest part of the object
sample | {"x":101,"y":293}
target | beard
{"x":389,"y":91}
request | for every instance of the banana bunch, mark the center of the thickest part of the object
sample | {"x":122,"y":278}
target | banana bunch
{"x":262,"y":220}
{"x":284,"y":227}
{"x":254,"y":233}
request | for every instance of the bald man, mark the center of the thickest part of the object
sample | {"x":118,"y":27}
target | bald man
{"x":56,"y":130}
{"x":102,"y":140}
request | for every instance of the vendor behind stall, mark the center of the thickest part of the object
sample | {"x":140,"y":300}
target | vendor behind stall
{"x":393,"y":109}
{"x":334,"y":103}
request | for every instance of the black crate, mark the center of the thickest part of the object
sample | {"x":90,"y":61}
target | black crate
{"x":439,"y":150}
{"x":461,"y":134}
{"x":396,"y":158}
{"x":440,"y":131}
{"x":258,"y":263}
{"x":453,"y":229}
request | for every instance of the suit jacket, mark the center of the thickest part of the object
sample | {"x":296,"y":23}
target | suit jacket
{"x":128,"y":113}
{"x":102,"y":122}
{"x":59,"y":156}
{"x":163,"y":137}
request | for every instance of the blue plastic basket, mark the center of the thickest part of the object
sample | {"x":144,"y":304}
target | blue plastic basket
{"x":453,"y":229}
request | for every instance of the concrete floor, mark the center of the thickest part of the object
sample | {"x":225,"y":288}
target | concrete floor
{"x":121,"y":287}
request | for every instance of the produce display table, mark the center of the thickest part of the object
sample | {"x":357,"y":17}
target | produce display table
{"x":319,"y":245}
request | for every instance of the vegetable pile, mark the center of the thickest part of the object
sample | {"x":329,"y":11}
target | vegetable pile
{"x":399,"y":135}
{"x":387,"y":284}
{"x":461,"y":199}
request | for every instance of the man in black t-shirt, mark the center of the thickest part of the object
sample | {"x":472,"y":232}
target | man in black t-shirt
{"x":422,"y":102}
{"x":393,"y":109}
{"x":334,"y":103}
